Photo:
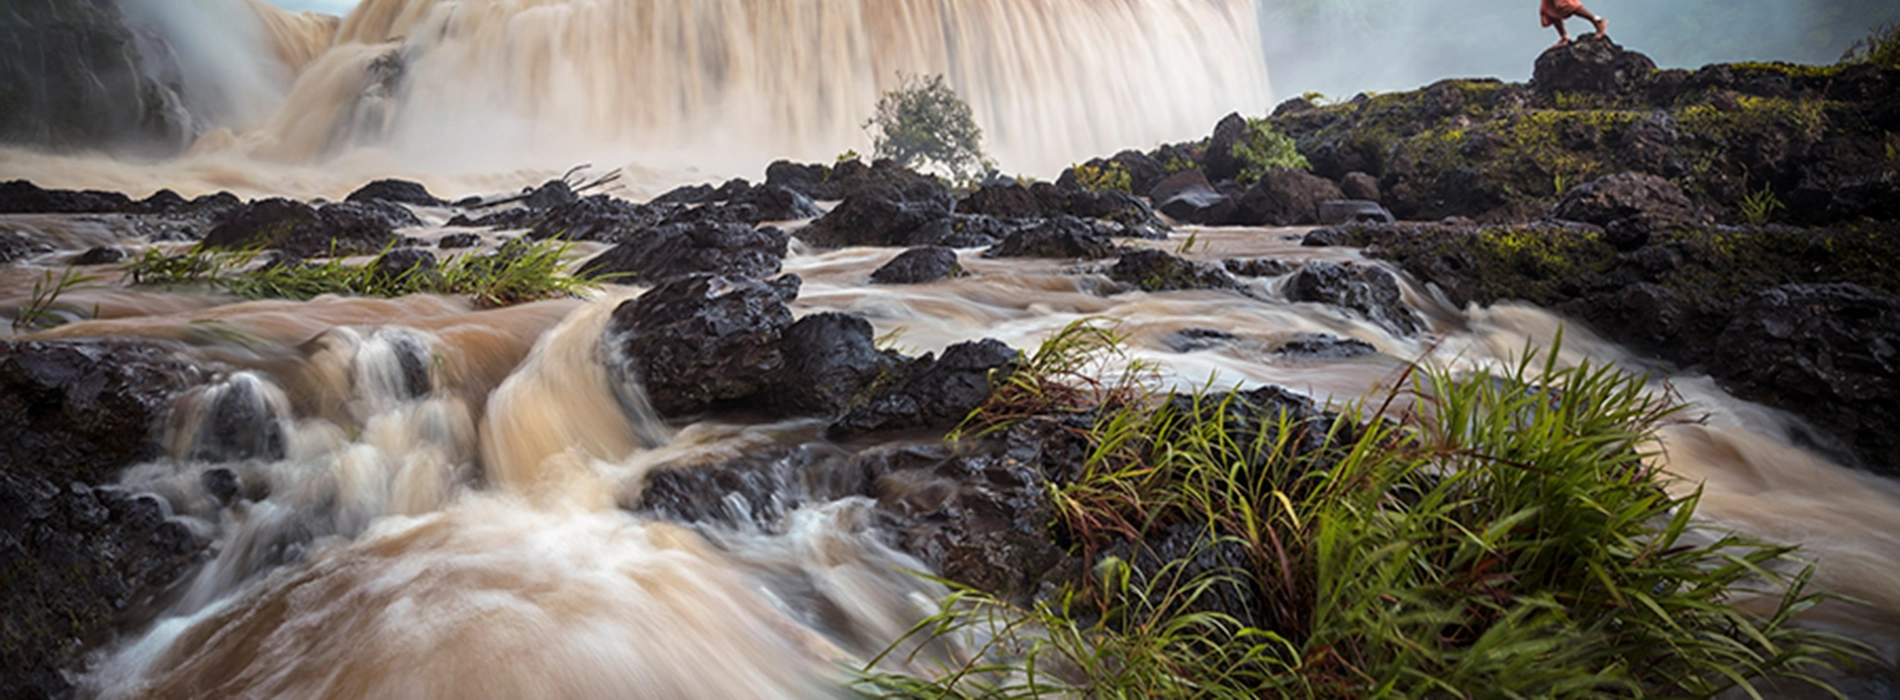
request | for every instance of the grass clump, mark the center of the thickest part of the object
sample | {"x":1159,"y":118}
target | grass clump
{"x":43,"y":308}
{"x":517,"y":273}
{"x":1503,"y":537}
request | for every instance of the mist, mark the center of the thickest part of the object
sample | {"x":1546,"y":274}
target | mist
{"x":1344,"y":47}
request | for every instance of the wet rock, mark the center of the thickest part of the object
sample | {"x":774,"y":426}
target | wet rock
{"x":347,"y":228}
{"x":696,"y":341}
{"x":753,"y":491}
{"x":664,"y":252}
{"x":1011,"y":201}
{"x":844,"y":179}
{"x":937,"y":394}
{"x":1116,"y":207}
{"x":1256,"y":267}
{"x":1629,"y":206}
{"x":402,"y":264}
{"x":222,"y":483}
{"x":16,"y":246}
{"x":753,"y":205}
{"x":1062,"y":237}
{"x":237,"y":419}
{"x":1358,"y":185}
{"x":1590,"y":64}
{"x":1321,"y":346}
{"x":831,"y":362}
{"x":702,"y":194}
{"x":102,"y":255}
{"x":503,"y":219}
{"x":74,"y":557}
{"x":980,"y":231}
{"x":1196,"y":339}
{"x":885,"y":216}
{"x":23,"y":197}
{"x":1830,"y":352}
{"x":1155,"y":271}
{"x":1285,"y":197}
{"x":597,"y":218}
{"x":1843,"y":178}
{"x":396,"y":191}
{"x":456,"y":241}
{"x":1343,"y":211}
{"x":550,"y":195}
{"x":83,"y":76}
{"x":1371,"y":291}
{"x":1187,"y":196}
{"x":85,"y":409}
{"x":1220,"y":162}
{"x":920,"y":266}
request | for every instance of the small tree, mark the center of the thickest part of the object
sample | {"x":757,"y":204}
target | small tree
{"x":924,"y":122}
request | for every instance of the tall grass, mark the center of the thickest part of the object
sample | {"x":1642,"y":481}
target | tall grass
{"x":517,"y":273}
{"x":1501,"y":537}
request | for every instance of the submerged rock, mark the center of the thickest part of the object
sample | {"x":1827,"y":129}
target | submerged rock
{"x":1371,"y":291}
{"x":1064,"y":237}
{"x":1155,"y":271}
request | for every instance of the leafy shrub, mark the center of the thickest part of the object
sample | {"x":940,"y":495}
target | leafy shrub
{"x":1109,"y":178}
{"x":1760,"y":205}
{"x":924,"y":122}
{"x":1264,"y":149}
{"x":1881,"y":48}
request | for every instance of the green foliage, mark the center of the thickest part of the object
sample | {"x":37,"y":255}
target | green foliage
{"x":1263,"y":149}
{"x":1760,"y":205}
{"x":1504,"y":537}
{"x":1177,"y":164}
{"x":849,"y":155}
{"x":1110,"y":178}
{"x":1881,"y":48}
{"x":517,"y":273}
{"x":1072,"y":371}
{"x":42,"y":309}
{"x":924,"y":122}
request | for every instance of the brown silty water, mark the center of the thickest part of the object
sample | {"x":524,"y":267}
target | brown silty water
{"x":448,"y":516}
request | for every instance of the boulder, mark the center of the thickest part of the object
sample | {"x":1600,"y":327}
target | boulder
{"x":885,"y":216}
{"x":1360,"y":186}
{"x":1197,"y":339}
{"x":1828,"y":352}
{"x":752,"y":205}
{"x":1353,"y":211}
{"x":402,"y":264}
{"x":1321,"y":346}
{"x":1187,"y":196}
{"x":843,"y":179}
{"x":1220,"y":162}
{"x":1368,"y":290}
{"x":1062,"y":237}
{"x":1285,"y":197}
{"x":1629,"y":206}
{"x":1155,"y":271}
{"x":82,"y":410}
{"x":456,"y":241}
{"x":550,"y":194}
{"x":920,"y":266}
{"x":697,"y":341}
{"x":597,"y":218}
{"x":344,"y":228}
{"x":1144,"y":172}
{"x":831,"y":362}
{"x":1256,"y":267}
{"x":101,"y":255}
{"x":1591,"y":64}
{"x":937,"y":393}
{"x":23,"y":197}
{"x":663,"y":252}
{"x":396,"y":191}
{"x":1011,"y":201}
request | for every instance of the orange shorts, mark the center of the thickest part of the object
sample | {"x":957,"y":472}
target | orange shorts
{"x":1555,"y":11}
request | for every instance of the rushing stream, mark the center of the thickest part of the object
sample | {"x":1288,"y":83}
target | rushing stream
{"x":449,"y":512}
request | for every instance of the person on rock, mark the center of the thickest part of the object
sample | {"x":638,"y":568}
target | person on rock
{"x":1556,"y":11}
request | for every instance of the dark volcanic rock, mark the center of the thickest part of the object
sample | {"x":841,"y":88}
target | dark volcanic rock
{"x":22,"y":197}
{"x":596,"y":218}
{"x":1320,"y":346}
{"x":1342,"y":211}
{"x":1197,"y":339}
{"x":551,"y":194}
{"x":1590,"y":64}
{"x":1256,"y":267}
{"x":753,"y":205}
{"x":1062,"y":237}
{"x":664,"y":252}
{"x":840,"y":181}
{"x":1187,"y":196}
{"x":699,"y":340}
{"x":401,"y":263}
{"x":1371,"y":291}
{"x":85,"y":409}
{"x":831,"y":361}
{"x":1829,"y":352}
{"x":919,"y":266}
{"x":399,"y":191}
{"x":1156,"y":271}
{"x":345,"y":228}
{"x":1011,"y":201}
{"x":938,"y":393}
{"x":885,"y":216}
{"x":753,"y":491}
{"x":1358,"y":185}
{"x":1286,"y":197}
{"x":1220,"y":162}
{"x":455,"y":241}
{"x":1630,"y":207}
{"x":15,"y":246}
{"x":102,"y":255}
{"x":80,"y":75}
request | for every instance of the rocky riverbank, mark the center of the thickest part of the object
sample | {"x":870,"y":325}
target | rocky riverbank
{"x":1607,"y":190}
